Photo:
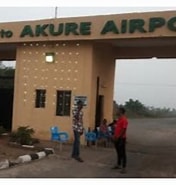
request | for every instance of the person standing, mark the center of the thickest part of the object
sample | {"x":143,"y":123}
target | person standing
{"x":104,"y":128}
{"x":77,"y":130}
{"x":119,"y":138}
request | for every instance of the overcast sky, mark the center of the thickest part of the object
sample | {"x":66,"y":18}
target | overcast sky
{"x":153,"y":82}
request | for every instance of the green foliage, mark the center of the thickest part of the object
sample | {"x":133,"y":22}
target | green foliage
{"x":8,"y":71}
{"x":23,"y":135}
{"x":7,"y":77}
{"x":135,"y":108}
{"x":2,"y":130}
{"x":115,"y":106}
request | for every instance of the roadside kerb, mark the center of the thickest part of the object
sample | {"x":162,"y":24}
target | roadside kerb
{"x":26,"y":158}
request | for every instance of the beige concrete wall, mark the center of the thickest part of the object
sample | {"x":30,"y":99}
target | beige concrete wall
{"x":76,"y":68}
{"x":71,"y":70}
{"x":104,"y":68}
{"x":97,"y":24}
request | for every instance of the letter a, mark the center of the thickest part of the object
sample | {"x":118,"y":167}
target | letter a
{"x":27,"y":30}
{"x":109,"y":27}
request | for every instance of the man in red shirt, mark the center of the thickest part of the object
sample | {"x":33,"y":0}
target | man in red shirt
{"x":119,"y":138}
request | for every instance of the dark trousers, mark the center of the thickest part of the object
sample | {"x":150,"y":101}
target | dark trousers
{"x":76,"y":144}
{"x":120,"y":146}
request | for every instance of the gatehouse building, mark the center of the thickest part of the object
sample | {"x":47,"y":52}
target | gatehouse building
{"x":60,"y":61}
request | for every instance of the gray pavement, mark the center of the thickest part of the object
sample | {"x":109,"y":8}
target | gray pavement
{"x":151,"y":152}
{"x":98,"y":163}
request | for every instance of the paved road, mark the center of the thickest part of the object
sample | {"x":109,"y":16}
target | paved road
{"x":98,"y":163}
{"x":151,"y":151}
{"x":153,"y":132}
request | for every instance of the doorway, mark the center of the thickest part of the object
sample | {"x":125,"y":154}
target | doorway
{"x":99,"y":105}
{"x":99,"y":110}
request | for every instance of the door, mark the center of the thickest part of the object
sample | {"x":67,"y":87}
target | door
{"x":99,"y":110}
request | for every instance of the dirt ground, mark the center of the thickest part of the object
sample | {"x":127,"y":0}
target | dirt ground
{"x":144,"y":135}
{"x":151,"y":151}
{"x":12,"y":151}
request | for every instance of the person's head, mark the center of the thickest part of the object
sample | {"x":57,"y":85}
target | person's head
{"x":104,"y":121}
{"x":79,"y":104}
{"x":121,"y":111}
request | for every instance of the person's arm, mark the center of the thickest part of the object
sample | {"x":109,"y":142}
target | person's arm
{"x":114,"y":136}
{"x":122,"y":132}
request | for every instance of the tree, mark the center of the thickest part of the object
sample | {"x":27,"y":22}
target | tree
{"x":115,"y":106}
{"x":135,"y":108}
{"x":7,"y":77}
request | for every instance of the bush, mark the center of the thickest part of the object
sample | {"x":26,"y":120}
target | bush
{"x":2,"y":130}
{"x":22,"y":136}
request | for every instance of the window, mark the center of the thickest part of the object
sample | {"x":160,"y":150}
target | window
{"x":49,"y":57}
{"x":63,"y":103}
{"x":40,"y":98}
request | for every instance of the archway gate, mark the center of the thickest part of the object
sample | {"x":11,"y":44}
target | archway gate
{"x":84,"y":51}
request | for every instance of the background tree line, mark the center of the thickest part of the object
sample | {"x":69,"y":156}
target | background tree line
{"x":135,"y":109}
{"x":6,"y":77}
